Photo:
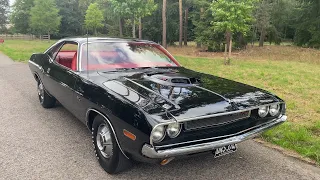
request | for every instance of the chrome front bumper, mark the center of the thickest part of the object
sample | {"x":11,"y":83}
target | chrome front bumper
{"x":150,"y":152}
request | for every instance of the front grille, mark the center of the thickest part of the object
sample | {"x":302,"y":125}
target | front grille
{"x":215,"y":121}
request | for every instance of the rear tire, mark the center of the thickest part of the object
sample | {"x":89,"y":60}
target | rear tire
{"x":45,"y":99}
{"x":107,"y":151}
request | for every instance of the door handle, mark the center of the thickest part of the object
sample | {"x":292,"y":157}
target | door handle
{"x":48,"y":70}
{"x":78,"y":97}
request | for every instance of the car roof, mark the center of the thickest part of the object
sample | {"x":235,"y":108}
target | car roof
{"x":108,"y":39}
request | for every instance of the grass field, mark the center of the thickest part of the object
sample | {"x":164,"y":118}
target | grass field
{"x":21,"y":50}
{"x":290,"y":72}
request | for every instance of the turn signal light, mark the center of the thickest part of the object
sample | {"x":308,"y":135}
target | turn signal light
{"x":129,"y":135}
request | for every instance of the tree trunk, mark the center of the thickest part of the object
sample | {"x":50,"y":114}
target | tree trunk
{"x":180,"y":23}
{"x":253,"y":36}
{"x":133,"y":28}
{"x":201,"y":18}
{"x":225,"y":53}
{"x":262,"y":36}
{"x":140,"y":28}
{"x":228,"y":46}
{"x":164,"y":23}
{"x":120,"y":27}
{"x":186,"y":27}
{"x":48,"y":36}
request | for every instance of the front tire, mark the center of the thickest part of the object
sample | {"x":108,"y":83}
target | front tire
{"x":106,"y":148}
{"x":45,"y":99}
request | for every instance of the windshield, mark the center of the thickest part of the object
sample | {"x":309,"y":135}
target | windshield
{"x":115,"y":55}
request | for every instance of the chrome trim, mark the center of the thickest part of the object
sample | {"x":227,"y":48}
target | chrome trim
{"x":212,"y":138}
{"x":225,"y":113}
{"x":149,"y":151}
{"x":33,"y":63}
{"x":108,"y":121}
{"x":53,"y":45}
{"x":212,"y":115}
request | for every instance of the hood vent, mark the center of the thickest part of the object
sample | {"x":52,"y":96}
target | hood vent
{"x":172,"y":79}
{"x":180,"y":81}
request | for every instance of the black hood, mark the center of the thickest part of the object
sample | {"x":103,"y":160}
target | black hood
{"x":184,"y":93}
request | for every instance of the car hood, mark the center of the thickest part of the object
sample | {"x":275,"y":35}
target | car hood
{"x":184,"y":93}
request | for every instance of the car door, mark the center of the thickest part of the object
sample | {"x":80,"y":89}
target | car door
{"x":59,"y":78}
{"x":85,"y":90}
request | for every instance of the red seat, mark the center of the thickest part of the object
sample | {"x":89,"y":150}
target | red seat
{"x":74,"y":62}
{"x":65,"y":58}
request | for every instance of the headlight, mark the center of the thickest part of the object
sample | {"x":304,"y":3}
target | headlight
{"x":173,"y":130}
{"x":263,"y":111}
{"x":158,"y":133}
{"x":274,"y":109}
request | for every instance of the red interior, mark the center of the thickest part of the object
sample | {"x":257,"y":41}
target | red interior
{"x":74,"y":62}
{"x":68,"y":59}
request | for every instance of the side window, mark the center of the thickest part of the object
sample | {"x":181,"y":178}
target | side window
{"x":67,"y":55}
{"x":54,"y":50}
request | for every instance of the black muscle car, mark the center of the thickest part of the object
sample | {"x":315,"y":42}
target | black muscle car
{"x":141,"y":104}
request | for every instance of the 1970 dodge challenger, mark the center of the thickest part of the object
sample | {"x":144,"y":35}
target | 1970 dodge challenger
{"x":141,"y":104}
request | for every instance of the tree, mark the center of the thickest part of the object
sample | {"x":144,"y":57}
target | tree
{"x":20,"y":16}
{"x":180,"y":23}
{"x":135,"y":10}
{"x":93,"y":18}
{"x":308,"y":24}
{"x":71,"y":22}
{"x":4,"y":10}
{"x":44,"y":17}
{"x":284,"y":14}
{"x":164,"y":23}
{"x":186,"y":26}
{"x":205,"y":34}
{"x":262,"y":17}
{"x":231,"y":16}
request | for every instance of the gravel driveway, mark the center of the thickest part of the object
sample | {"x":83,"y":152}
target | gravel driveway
{"x":36,"y":143}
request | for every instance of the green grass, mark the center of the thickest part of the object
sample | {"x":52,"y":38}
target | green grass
{"x":297,"y":83}
{"x":292,"y":73}
{"x":21,"y":50}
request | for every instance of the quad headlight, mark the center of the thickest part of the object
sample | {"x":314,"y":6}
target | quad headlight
{"x":263,"y":111}
{"x":158,"y":133}
{"x":274,"y":109}
{"x":173,"y":130}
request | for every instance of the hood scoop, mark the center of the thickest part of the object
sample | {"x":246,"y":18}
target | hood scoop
{"x":172,"y":79}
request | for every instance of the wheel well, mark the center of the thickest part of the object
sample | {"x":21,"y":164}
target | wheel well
{"x":90,"y":117}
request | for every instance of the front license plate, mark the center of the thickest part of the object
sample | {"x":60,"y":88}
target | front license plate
{"x":225,"y":150}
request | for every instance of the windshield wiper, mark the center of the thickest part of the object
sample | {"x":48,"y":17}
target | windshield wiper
{"x":128,"y":69}
{"x":119,"y":70}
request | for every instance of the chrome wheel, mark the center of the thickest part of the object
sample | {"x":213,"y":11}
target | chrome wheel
{"x":41,"y":92}
{"x":104,"y":141}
